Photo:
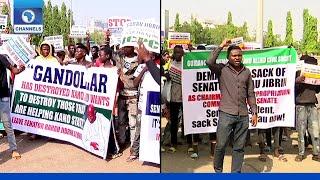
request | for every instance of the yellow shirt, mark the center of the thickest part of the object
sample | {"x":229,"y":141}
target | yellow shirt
{"x":167,"y":66}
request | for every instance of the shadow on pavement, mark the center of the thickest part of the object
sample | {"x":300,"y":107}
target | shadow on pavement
{"x":255,"y":166}
{"x":23,"y":143}
{"x":180,"y":161}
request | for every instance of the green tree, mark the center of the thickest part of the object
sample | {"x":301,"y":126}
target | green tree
{"x":310,"y":33}
{"x":313,"y":35}
{"x":306,"y":29}
{"x":177,"y":25}
{"x":186,"y":27}
{"x":289,"y":32}
{"x":70,"y":21}
{"x":269,"y":38}
{"x":243,"y":32}
{"x":48,"y":20}
{"x":277,"y":40}
{"x":196,"y":31}
{"x":229,"y":21}
{"x":231,"y":29}
{"x":6,"y":11}
{"x":219,"y":33}
{"x":64,"y":27}
{"x":56,"y":29}
{"x":97,"y":37}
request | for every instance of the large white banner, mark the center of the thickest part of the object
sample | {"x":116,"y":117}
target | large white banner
{"x":150,"y":120}
{"x":273,"y":74}
{"x":70,"y":103}
{"x":56,"y":41}
{"x":146,"y":31}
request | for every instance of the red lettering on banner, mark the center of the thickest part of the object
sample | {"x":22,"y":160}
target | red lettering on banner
{"x":208,"y":104}
{"x":52,"y":90}
{"x":33,"y":124}
{"x":267,"y":100}
{"x":53,"y":128}
{"x":26,"y":85}
{"x":71,"y":132}
{"x":158,"y":137}
{"x":16,"y":120}
{"x":78,"y":95}
{"x":282,"y":92}
{"x":100,"y":100}
{"x":204,"y":97}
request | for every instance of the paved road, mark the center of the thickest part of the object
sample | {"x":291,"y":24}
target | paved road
{"x":42,"y":155}
{"x":181,"y":161}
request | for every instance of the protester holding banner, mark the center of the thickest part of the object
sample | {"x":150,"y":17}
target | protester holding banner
{"x":94,"y":53}
{"x":105,"y":58}
{"x":71,"y":53}
{"x":148,"y":120}
{"x":176,"y":98}
{"x":276,"y":131}
{"x":5,"y":103}
{"x":138,"y":78}
{"x":127,"y":103}
{"x":307,"y":113}
{"x":104,"y":61}
{"x":196,"y":137}
{"x":237,"y":89}
{"x":61,"y":55}
{"x":45,"y":53}
{"x":80,"y":56}
{"x":153,"y":68}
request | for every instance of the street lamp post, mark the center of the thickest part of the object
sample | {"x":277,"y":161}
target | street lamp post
{"x":71,"y":15}
{"x":259,"y":33}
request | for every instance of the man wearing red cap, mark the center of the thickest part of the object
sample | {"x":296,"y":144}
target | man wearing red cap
{"x":95,"y":131}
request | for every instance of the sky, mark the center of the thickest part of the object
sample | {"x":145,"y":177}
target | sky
{"x":84,"y":10}
{"x":244,"y":10}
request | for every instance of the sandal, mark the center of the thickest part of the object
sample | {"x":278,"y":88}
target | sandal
{"x":15,"y":155}
{"x":299,"y":158}
{"x":172,"y":150}
{"x":114,"y":156}
{"x":132,"y":158}
{"x":281,"y":150}
{"x":316,"y":158}
{"x":282,"y":158}
{"x":190,"y":150}
{"x":267,"y":149}
{"x":263,"y":157}
{"x":33,"y":137}
{"x":194,"y":156}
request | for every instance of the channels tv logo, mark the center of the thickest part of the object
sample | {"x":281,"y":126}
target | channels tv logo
{"x":28,"y":16}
